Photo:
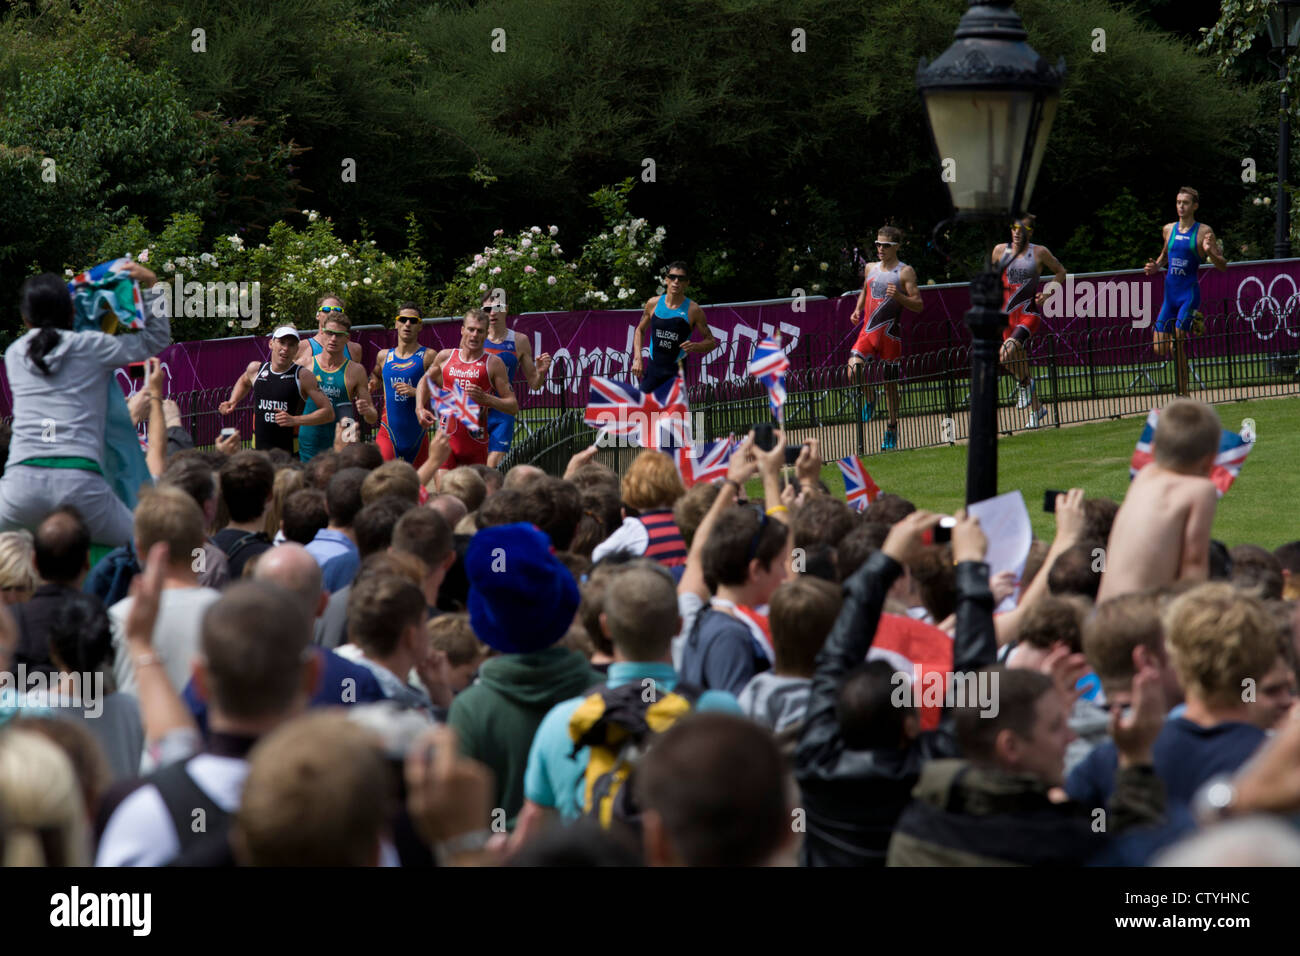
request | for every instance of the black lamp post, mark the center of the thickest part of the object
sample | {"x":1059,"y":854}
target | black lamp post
{"x":990,"y":100}
{"x":1284,"y":35}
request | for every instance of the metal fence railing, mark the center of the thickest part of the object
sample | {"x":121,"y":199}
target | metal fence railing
{"x":1087,"y":375}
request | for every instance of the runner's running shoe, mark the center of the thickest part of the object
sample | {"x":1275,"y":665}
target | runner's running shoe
{"x":891,"y":439}
{"x":1025,"y":394}
{"x":1040,"y":417}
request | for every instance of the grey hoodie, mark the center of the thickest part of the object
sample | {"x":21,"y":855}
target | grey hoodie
{"x":62,"y":414}
{"x":775,"y":701}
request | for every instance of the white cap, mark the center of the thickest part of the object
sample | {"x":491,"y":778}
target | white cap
{"x":284,"y":330}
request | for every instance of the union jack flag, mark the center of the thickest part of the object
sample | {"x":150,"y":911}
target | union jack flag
{"x":658,"y":419}
{"x":454,"y":403}
{"x":769,"y":366}
{"x":1233,"y":450}
{"x":859,"y":489}
{"x":706,"y":461}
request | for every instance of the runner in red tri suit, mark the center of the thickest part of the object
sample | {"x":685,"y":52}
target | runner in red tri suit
{"x":484,"y":379}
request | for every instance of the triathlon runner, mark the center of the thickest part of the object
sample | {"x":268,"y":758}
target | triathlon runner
{"x":888,"y":287}
{"x":1185,"y":244}
{"x":1022,"y":263}
{"x":398,"y":371}
{"x":669,"y":319}
{"x":279,"y":388}
{"x":482,"y":376}
{"x":343,"y":383}
{"x":327,"y":305}
{"x":515,"y":353}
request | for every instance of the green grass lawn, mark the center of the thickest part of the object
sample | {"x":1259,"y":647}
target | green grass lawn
{"x":1260,"y":508}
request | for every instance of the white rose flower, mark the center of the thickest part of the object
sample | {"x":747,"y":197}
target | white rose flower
{"x":618,"y":230}
{"x":550,"y":280}
{"x":354,"y":281}
{"x":144,"y":256}
{"x":344,"y":254}
{"x":68,"y":273}
{"x":553,"y":230}
{"x":482,"y":286}
{"x":535,"y":230}
{"x":367,"y":280}
{"x":824,"y":267}
{"x":167,"y":267}
{"x":525,"y":243}
{"x":496,"y":271}
{"x":313,"y":216}
{"x":618,"y":281}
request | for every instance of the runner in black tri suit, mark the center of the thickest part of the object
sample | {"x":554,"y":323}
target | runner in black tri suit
{"x":669,"y":318}
{"x":280,"y":388}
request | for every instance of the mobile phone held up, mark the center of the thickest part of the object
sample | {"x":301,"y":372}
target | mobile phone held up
{"x":135,"y":370}
{"x":765,"y":439}
{"x":1049,"y":500}
{"x":943,"y":530}
{"x":228,"y":433}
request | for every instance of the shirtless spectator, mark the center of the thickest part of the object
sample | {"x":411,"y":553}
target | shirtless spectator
{"x":1162,"y":531}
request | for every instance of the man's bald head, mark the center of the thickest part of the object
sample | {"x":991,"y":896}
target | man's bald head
{"x":62,"y":543}
{"x":450,"y":507}
{"x":291,"y":567}
{"x":520,"y":476}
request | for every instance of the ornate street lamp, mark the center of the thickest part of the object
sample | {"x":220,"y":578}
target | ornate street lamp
{"x":1284,"y":36}
{"x":990,"y":100}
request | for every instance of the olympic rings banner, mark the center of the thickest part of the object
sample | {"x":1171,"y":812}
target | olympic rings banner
{"x":1104,"y":318}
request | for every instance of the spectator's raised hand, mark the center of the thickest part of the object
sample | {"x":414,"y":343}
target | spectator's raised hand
{"x":153,"y":372}
{"x":1066,"y":670}
{"x":1135,"y":733}
{"x":808,"y":466}
{"x":771,"y":462}
{"x":906,"y":538}
{"x":580,"y":459}
{"x":1003,"y":586}
{"x":968,"y":540}
{"x":146,"y":589}
{"x":228,"y":445}
{"x":742,"y":466}
{"x":447,"y":795}
{"x":1070,"y":516}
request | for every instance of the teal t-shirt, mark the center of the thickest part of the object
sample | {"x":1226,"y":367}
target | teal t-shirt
{"x":553,"y":778}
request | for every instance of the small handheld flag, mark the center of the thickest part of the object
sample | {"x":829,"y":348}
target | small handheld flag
{"x":1232,"y":453}
{"x":769,"y":365}
{"x":706,"y":461}
{"x":859,"y":489}
{"x":106,"y":298}
{"x":454,"y":403}
{"x":623,"y":410}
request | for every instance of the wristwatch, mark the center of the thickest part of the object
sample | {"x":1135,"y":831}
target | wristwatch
{"x":1215,"y":801}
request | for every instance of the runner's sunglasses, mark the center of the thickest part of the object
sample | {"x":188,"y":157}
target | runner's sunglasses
{"x":330,"y":308}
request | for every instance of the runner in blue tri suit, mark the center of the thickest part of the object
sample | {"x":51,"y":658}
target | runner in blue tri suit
{"x":669,"y":319}
{"x":398,"y":371}
{"x":515,"y":352}
{"x":1186,"y":243}
{"x":343,"y":382}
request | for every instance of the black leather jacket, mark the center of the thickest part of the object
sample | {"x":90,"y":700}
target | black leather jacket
{"x":853,"y":798}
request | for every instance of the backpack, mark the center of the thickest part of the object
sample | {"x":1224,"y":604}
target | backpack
{"x":619,"y":725}
{"x":240,"y":544}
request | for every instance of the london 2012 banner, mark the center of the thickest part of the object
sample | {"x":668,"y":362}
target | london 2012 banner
{"x":1100,"y":318}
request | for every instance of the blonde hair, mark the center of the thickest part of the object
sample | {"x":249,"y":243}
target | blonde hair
{"x":652,"y":482}
{"x":170,"y":515}
{"x":466,"y":484}
{"x":287,"y":481}
{"x":1218,"y":639}
{"x":397,"y":478}
{"x":41,"y":798}
{"x":18,"y":561}
{"x":1187,"y":433}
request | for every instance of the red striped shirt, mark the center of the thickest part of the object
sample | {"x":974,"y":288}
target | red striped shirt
{"x":666,"y":545}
